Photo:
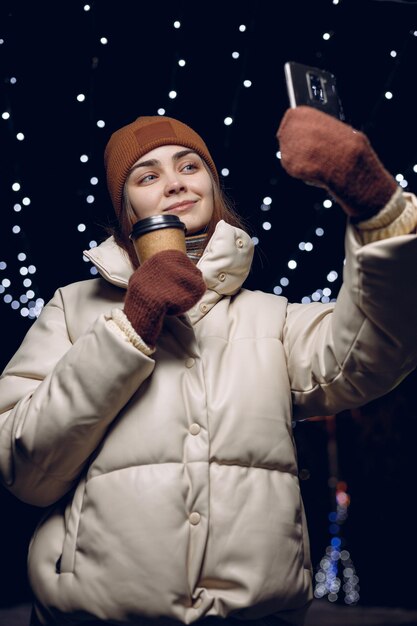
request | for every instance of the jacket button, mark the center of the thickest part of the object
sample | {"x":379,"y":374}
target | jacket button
{"x":195,"y":429}
{"x":203,"y":308}
{"x":239,"y":243}
{"x":189,"y":362}
{"x":222,"y":277}
{"x":194,"y":518}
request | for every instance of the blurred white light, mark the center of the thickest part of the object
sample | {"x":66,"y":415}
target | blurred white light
{"x":255,"y":241}
{"x":284,"y":281}
{"x":305,"y":300}
{"x":5,"y":115}
{"x":332,"y":276}
{"x":267,"y":225}
{"x":326,"y":36}
{"x":177,"y":24}
{"x":292,"y":264}
{"x":277,"y":290}
{"x":16,"y":229}
{"x":83,"y":158}
{"x":388,"y":95}
{"x":86,"y":7}
{"x":228,"y":121}
{"x":235,"y":55}
{"x":399,"y":177}
{"x":403,"y":183}
{"x":26,"y":201}
{"x":30,"y":293}
{"x":15,"y":304}
{"x":13,"y":80}
{"x":172,"y":94}
{"x":267,"y":200}
{"x":104,"y":40}
{"x":415,"y":168}
{"x":27,"y":282}
{"x":319,"y":232}
{"x":90,"y":199}
{"x":86,"y":259}
{"x":7,"y":298}
{"x":20,"y":136}
{"x":315,"y":296}
{"x":247,"y":83}
{"x":6,"y":282}
{"x":301,"y":245}
{"x":93,"y":243}
{"x":278,"y":154}
{"x":265,"y":207}
{"x":181,"y":62}
{"x":31,"y":269}
{"x":393,"y":53}
{"x":327,"y":204}
{"x":161,"y":111}
{"x":24,"y":312}
{"x":225,"y":172}
{"x":1,"y":41}
{"x":3,"y":265}
{"x":16,"y":186}
{"x":101,"y":123}
{"x":81,"y":228}
{"x":23,"y":271}
{"x":94,"y":180}
{"x":308,"y":246}
{"x":242,"y":28}
{"x":327,"y":291}
{"x":17,"y":207}
{"x":93,"y":270}
{"x":81,"y":97}
{"x":335,"y":1}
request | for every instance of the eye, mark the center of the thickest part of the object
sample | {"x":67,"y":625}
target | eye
{"x":147,"y":179}
{"x":189,"y":167}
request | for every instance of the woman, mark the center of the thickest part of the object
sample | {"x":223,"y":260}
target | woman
{"x":150,"y":410}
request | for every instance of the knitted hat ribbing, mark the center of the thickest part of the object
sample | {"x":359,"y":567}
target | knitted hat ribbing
{"x":146,"y":133}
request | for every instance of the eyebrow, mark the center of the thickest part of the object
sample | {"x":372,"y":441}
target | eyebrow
{"x":153,"y":162}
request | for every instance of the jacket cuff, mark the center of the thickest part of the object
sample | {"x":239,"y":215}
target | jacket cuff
{"x":122,"y":325}
{"x":398,"y":217}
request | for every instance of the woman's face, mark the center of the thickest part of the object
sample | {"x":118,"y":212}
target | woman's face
{"x":172,"y":180}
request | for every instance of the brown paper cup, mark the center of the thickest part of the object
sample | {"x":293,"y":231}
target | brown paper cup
{"x":156,"y":233}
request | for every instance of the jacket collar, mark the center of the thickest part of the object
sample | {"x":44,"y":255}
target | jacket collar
{"x":225,"y":264}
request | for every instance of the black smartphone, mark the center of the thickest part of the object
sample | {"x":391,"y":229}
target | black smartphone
{"x":313,"y":86}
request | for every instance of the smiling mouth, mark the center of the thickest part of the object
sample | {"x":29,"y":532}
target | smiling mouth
{"x":180,"y":206}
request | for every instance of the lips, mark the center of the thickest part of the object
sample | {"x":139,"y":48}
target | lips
{"x":180,"y":205}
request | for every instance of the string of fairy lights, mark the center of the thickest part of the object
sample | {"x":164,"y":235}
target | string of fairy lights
{"x":21,"y":293}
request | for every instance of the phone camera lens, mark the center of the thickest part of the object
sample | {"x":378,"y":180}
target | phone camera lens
{"x":316,"y":88}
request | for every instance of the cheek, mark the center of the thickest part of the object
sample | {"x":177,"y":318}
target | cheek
{"x":141,"y":202}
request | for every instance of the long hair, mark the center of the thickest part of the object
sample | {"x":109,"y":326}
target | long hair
{"x":222,"y":210}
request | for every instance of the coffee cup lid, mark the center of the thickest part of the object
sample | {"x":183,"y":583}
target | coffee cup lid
{"x":155,"y":222}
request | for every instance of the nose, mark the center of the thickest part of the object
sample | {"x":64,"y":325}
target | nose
{"x":174,"y":185}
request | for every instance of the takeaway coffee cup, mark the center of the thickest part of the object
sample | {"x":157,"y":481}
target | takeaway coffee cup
{"x":156,"y":233}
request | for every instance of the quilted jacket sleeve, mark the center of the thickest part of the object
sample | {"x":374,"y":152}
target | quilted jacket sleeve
{"x":346,"y":354}
{"x":58,"y":397}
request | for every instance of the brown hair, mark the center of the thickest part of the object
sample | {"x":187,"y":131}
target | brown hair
{"x":223,"y":210}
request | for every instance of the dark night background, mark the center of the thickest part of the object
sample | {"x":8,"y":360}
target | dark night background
{"x":53,"y":50}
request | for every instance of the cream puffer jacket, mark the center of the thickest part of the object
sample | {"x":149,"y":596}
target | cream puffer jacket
{"x":171,"y":479}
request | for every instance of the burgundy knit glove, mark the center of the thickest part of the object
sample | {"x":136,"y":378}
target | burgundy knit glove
{"x":166,"y":284}
{"x":319,"y":149}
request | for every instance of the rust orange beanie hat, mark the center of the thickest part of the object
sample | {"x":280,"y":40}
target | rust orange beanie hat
{"x":146,"y":133}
